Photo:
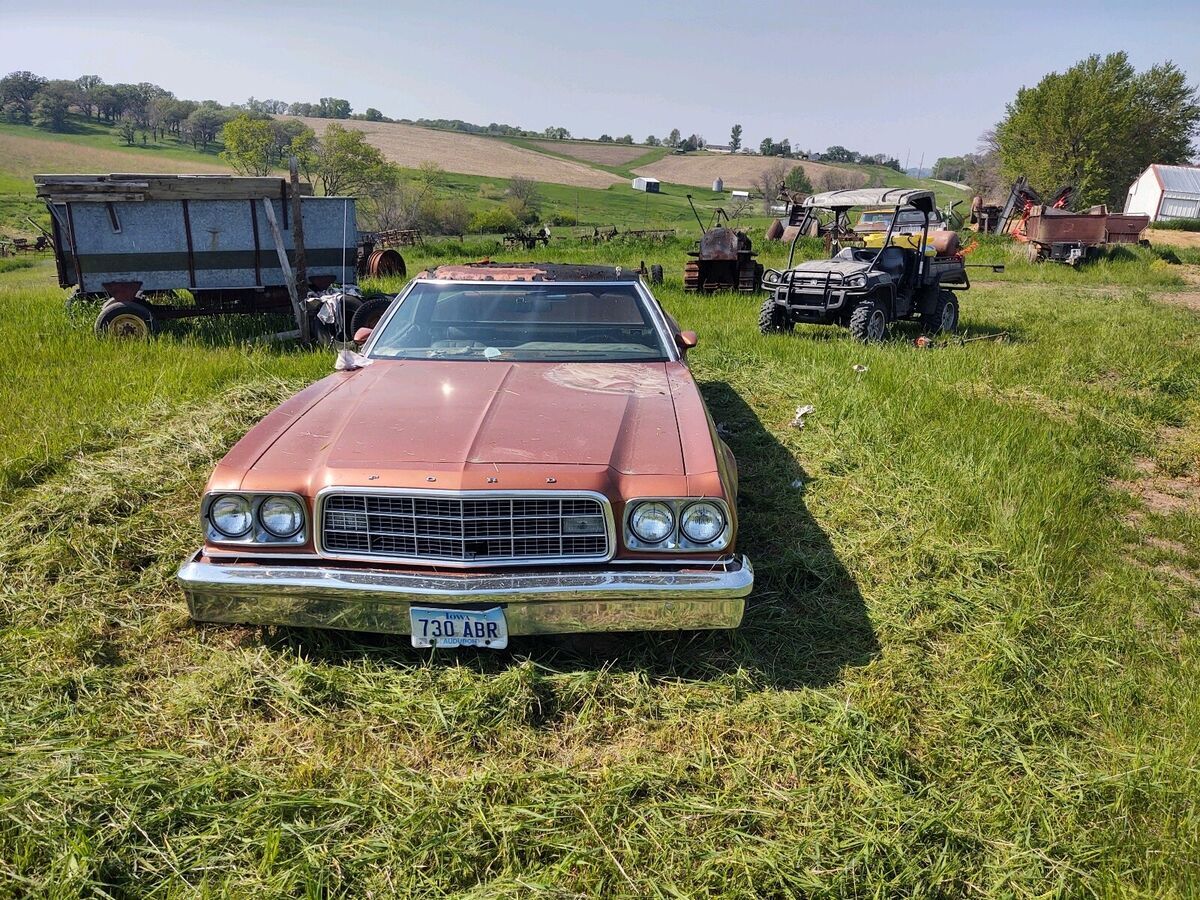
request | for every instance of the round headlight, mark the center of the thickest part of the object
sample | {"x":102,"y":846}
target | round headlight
{"x":281,"y":516}
{"x":652,"y":522}
{"x":230,"y":515}
{"x":702,"y":523}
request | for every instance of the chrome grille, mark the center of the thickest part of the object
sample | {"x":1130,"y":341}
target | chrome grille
{"x":464,"y":529}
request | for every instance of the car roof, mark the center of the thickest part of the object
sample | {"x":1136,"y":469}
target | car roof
{"x":528,"y":271}
{"x":920,"y":199}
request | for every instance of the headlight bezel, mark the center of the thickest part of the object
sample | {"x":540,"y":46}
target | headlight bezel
{"x":677,"y":540}
{"x":258,"y":534}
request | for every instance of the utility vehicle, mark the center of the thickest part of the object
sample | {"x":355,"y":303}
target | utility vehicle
{"x":873,"y":278}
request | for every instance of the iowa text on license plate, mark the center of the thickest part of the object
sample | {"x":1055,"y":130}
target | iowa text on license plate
{"x":458,"y":627}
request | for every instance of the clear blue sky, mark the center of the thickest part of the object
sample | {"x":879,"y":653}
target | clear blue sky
{"x":909,"y":78}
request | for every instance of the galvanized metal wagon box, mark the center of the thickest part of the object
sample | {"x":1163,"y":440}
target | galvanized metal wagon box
{"x":140,"y":241}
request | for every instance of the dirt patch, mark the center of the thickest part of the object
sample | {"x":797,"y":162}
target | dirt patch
{"x":469,"y":154}
{"x":1185,"y":299}
{"x":1165,"y":545}
{"x":589,"y":151}
{"x":26,"y":156}
{"x":1158,"y":493}
{"x":1174,"y":238}
{"x":736,"y":171}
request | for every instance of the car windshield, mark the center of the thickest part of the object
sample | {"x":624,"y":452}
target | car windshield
{"x":530,"y":321}
{"x":878,"y":220}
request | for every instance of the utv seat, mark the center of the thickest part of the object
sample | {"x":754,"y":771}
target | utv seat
{"x":891,"y":260}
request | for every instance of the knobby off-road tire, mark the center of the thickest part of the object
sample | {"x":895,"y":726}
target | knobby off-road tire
{"x":125,"y":319}
{"x":868,"y":322}
{"x":368,"y":315}
{"x":943,"y":318}
{"x":772,"y":319}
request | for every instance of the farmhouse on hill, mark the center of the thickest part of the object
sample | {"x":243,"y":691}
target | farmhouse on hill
{"x":1166,"y":192}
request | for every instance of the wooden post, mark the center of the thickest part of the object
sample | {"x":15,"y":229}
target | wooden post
{"x":298,"y":226}
{"x":288,"y":279}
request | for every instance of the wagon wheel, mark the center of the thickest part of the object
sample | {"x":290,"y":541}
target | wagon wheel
{"x":383,"y":263}
{"x":124,"y":319}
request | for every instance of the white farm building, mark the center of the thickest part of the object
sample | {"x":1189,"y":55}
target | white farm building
{"x":649,"y":185}
{"x":1166,"y":192}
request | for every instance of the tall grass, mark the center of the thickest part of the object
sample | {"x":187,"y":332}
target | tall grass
{"x":1176,"y":225}
{"x":969,"y":666}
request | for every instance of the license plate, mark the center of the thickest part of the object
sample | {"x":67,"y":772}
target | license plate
{"x":433,"y":627}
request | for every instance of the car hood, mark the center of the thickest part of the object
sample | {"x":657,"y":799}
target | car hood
{"x":397,"y":414}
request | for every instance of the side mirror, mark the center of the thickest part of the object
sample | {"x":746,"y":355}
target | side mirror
{"x":362,"y":335}
{"x":686,"y":340}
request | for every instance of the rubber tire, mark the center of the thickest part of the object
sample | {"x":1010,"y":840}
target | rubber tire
{"x":656,"y":274}
{"x":861,"y":321}
{"x":933,"y":322}
{"x":327,"y":335}
{"x":368,"y":315}
{"x":772,"y":320}
{"x":120,"y":314}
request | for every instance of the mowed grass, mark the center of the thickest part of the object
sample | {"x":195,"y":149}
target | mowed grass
{"x":969,"y":666}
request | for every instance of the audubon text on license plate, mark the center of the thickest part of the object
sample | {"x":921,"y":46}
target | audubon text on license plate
{"x":458,"y":627}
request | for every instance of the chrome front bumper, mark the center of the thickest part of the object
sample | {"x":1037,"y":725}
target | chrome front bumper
{"x":610,"y":599}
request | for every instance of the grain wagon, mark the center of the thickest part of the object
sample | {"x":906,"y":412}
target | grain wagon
{"x":156,"y":247}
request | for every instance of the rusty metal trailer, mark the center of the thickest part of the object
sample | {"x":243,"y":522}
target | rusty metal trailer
{"x":1073,"y":237}
{"x":155,"y":247}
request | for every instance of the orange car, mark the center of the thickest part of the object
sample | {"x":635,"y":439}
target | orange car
{"x":519,"y":450}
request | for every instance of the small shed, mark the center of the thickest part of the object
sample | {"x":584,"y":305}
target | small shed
{"x":649,"y":185}
{"x":1165,"y":192}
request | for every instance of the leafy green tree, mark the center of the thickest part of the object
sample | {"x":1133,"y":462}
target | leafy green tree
{"x":497,"y":219}
{"x":17,"y":93}
{"x":524,"y":198}
{"x":52,"y":103}
{"x":205,"y":122}
{"x":735,"y":139}
{"x":86,"y":87}
{"x":797,"y":180}
{"x":334,"y":108}
{"x":767,"y":147}
{"x":128,"y":130}
{"x":838,"y":153}
{"x":950,"y":168}
{"x":652,"y":141}
{"x":344,"y":163}
{"x":1097,"y":125}
{"x":606,"y":139}
{"x":673,"y":138}
{"x":373,"y":115}
{"x":249,"y":145}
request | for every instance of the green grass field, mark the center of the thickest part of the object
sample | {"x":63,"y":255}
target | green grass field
{"x":969,"y":667}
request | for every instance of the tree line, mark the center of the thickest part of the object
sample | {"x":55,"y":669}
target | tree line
{"x":144,"y":109}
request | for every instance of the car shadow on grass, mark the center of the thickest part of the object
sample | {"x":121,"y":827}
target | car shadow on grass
{"x":805,"y":623}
